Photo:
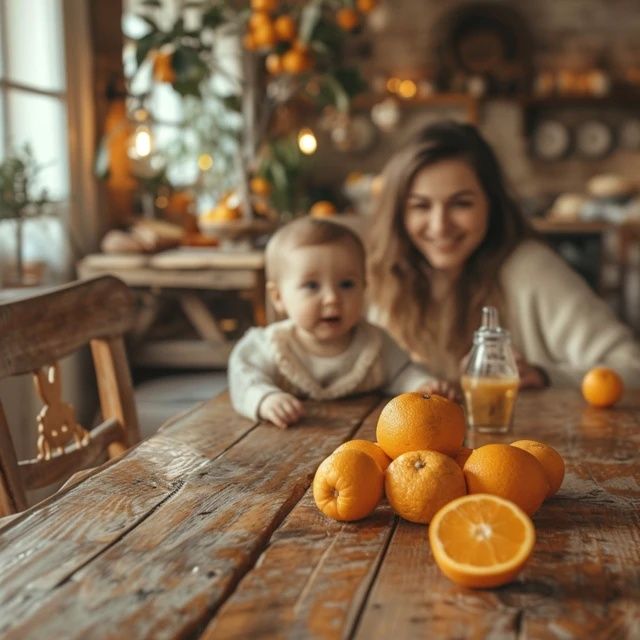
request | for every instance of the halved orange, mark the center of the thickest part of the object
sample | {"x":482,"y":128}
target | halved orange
{"x":481,"y":540}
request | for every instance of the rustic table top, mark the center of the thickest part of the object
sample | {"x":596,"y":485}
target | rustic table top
{"x":209,"y":530}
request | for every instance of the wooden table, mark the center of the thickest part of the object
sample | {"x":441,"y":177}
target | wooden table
{"x":197,"y":280}
{"x":209,"y":530}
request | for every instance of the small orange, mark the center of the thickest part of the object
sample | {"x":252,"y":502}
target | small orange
{"x":347,"y":18}
{"x":602,"y":387}
{"x":260,"y":186}
{"x":322,"y":208}
{"x":366,"y":6}
{"x":264,"y":35}
{"x":418,"y":483}
{"x":372,"y":449}
{"x":348,"y":485}
{"x":273,"y":64}
{"x":549,"y":458}
{"x":258,"y":18}
{"x":285,"y":27}
{"x":415,"y":421}
{"x":264,"y":5}
{"x":163,"y":70}
{"x":295,"y":61}
{"x":481,"y":541}
{"x":507,"y":472}
{"x":221,"y":213}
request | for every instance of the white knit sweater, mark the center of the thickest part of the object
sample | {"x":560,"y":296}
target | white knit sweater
{"x":270,"y":359}
{"x":556,"y":321}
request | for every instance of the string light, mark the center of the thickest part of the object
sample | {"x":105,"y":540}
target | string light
{"x":205,"y":162}
{"x":142,"y":142}
{"x":407,"y":89}
{"x":307,"y":142}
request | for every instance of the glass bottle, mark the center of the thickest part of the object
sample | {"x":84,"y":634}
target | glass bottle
{"x":490,"y":381}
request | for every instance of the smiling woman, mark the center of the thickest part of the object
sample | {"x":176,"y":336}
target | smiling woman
{"x":448,"y":239}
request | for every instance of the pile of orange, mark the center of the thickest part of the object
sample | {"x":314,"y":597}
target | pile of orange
{"x":477,"y":502}
{"x":272,"y":29}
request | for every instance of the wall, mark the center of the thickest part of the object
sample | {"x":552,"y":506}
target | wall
{"x":402,"y":38}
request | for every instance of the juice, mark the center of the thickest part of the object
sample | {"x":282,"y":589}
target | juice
{"x":489,"y":402}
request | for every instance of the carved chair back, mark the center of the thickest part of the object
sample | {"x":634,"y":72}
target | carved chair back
{"x":35,"y":333}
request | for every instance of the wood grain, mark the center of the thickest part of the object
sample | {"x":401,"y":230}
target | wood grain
{"x":188,"y":544}
{"x":317,"y":570}
{"x":96,"y":309}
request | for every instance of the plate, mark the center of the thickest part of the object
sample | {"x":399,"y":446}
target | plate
{"x":629,"y":134}
{"x":551,"y":140}
{"x":594,"y":139}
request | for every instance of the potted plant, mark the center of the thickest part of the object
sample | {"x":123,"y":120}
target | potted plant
{"x":20,"y":200}
{"x":251,"y":77}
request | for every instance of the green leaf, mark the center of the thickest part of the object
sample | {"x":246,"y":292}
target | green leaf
{"x":150,"y":21}
{"x":146,"y":44}
{"x":213,"y":17}
{"x":156,"y":4}
{"x":351,"y":80}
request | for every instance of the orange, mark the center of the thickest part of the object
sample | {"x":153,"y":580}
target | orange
{"x":323,"y":208}
{"x":481,"y":540}
{"x":415,"y":421}
{"x":348,"y":485}
{"x":602,"y":387}
{"x":549,"y":458}
{"x":163,"y":70}
{"x":258,"y":19}
{"x":285,"y":27}
{"x":273,"y":64}
{"x":347,"y":19}
{"x":366,"y":6}
{"x":508,"y":472}
{"x":418,"y":483}
{"x":264,"y":35}
{"x":371,"y":449}
{"x":264,"y":5}
{"x":221,"y":213}
{"x":462,"y":455}
{"x":295,"y":61}
{"x":260,"y":186}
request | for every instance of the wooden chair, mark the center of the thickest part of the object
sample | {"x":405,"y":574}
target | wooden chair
{"x":35,"y":332}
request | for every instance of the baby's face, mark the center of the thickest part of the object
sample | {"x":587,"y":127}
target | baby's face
{"x":322,"y":290}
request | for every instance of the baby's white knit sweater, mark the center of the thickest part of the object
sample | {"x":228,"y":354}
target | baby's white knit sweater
{"x":271,"y":359}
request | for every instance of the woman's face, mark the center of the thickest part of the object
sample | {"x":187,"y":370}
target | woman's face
{"x":446,"y":214}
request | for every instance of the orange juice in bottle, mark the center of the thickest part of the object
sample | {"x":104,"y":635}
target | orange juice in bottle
{"x":490,"y":382}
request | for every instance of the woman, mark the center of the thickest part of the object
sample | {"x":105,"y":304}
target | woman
{"x":448,"y":239}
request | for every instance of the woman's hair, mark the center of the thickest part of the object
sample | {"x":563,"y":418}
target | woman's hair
{"x":305,"y":232}
{"x":399,"y":275}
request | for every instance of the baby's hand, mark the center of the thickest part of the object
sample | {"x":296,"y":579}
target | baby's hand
{"x":444,"y":388}
{"x":281,"y":408}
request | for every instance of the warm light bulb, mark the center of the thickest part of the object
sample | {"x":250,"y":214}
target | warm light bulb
{"x":307,"y":142}
{"x":407,"y":89}
{"x":393,"y":84}
{"x":205,"y":162}
{"x":142,"y":142}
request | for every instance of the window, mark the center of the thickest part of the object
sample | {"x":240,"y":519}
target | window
{"x":44,"y":79}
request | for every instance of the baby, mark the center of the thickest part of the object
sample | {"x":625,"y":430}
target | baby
{"x":324,"y":349}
